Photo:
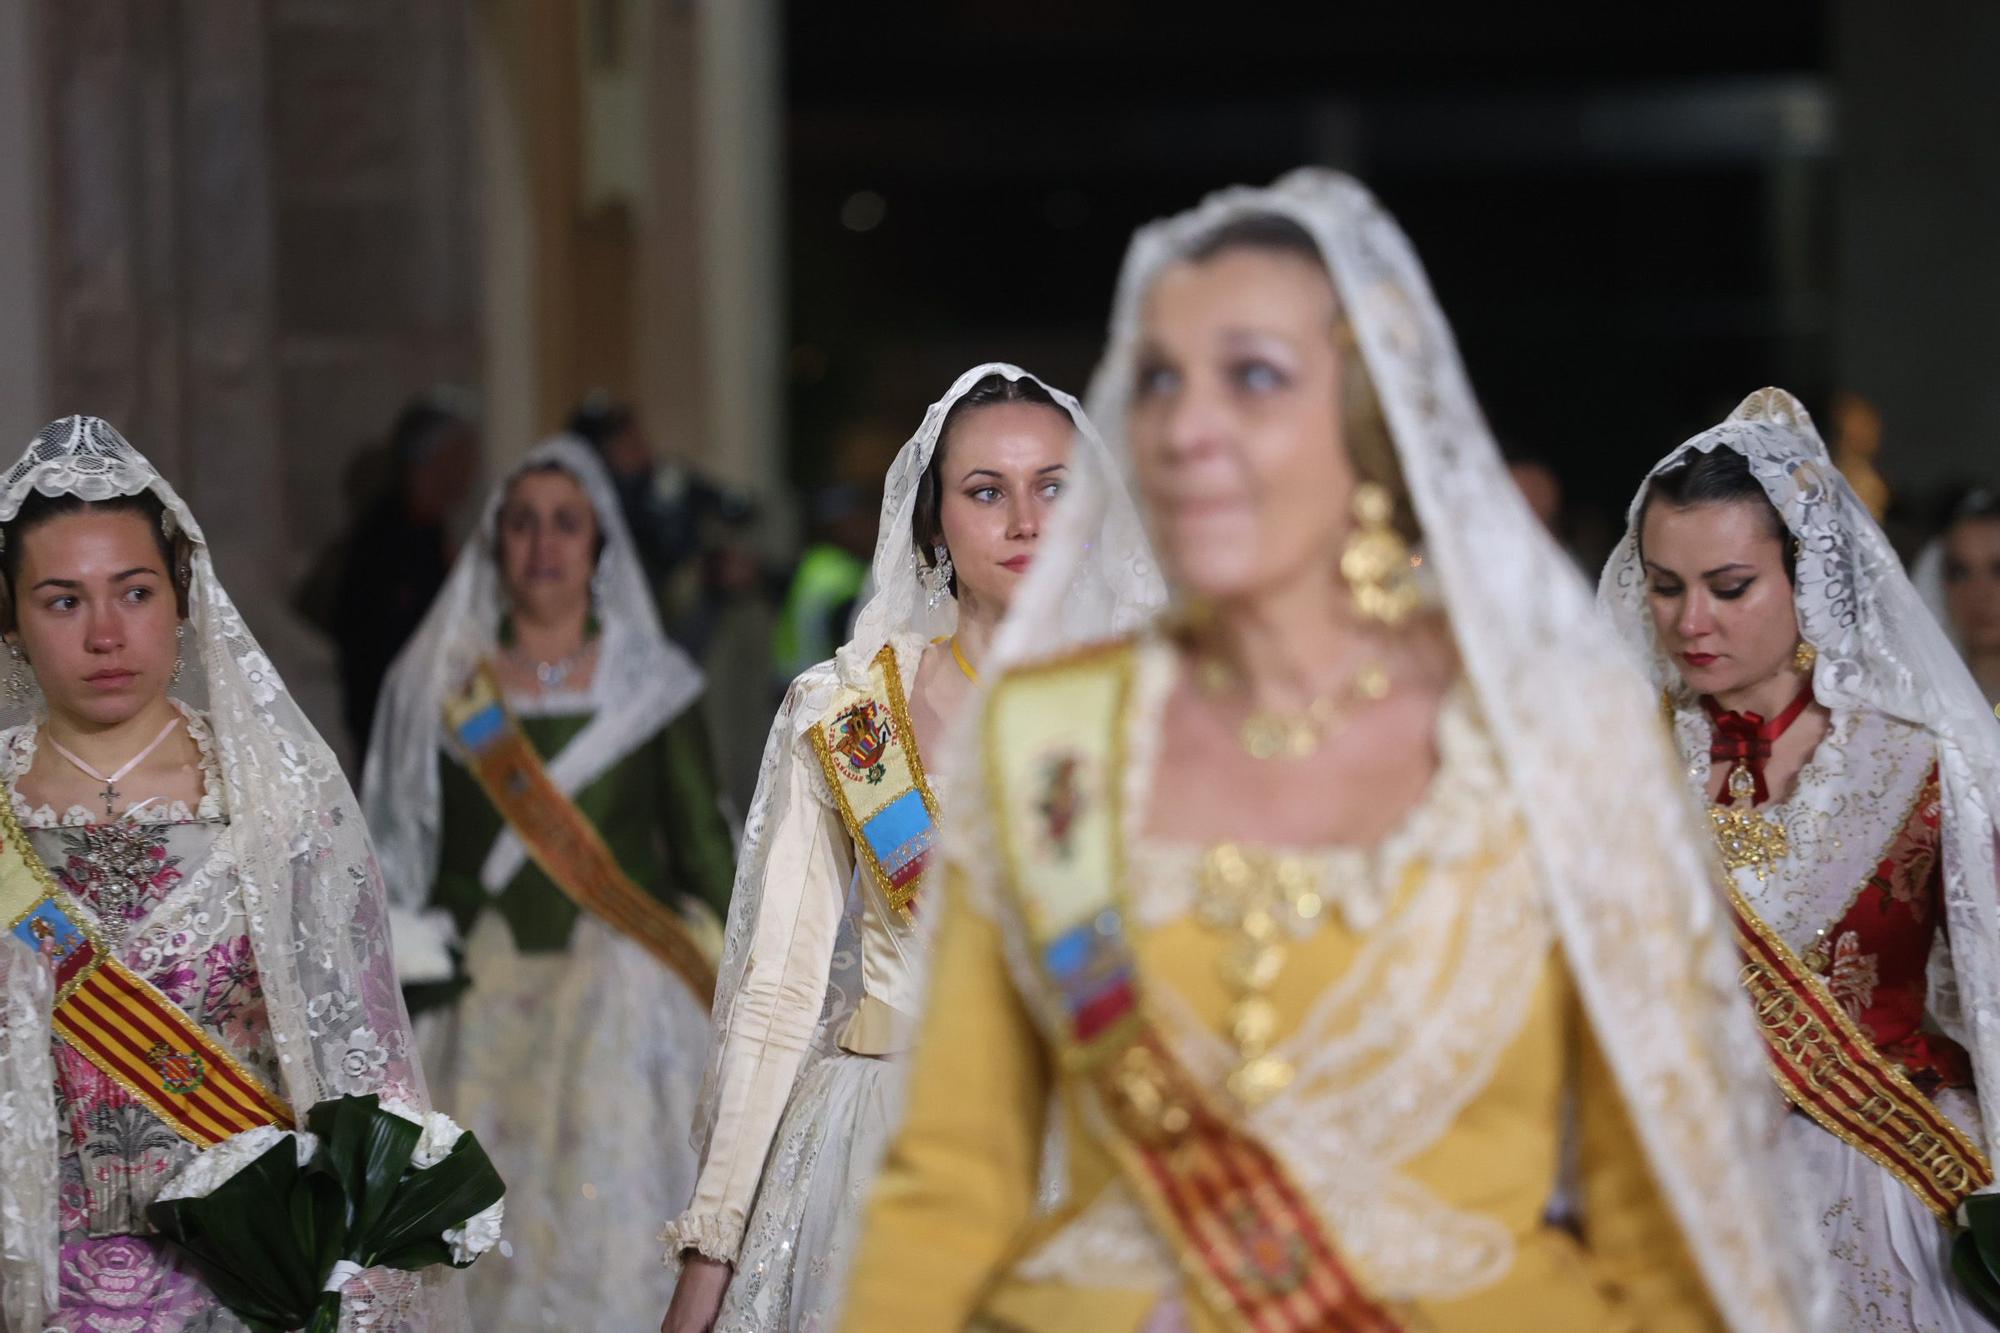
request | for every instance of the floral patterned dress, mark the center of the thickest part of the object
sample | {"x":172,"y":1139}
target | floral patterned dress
{"x":159,"y":884}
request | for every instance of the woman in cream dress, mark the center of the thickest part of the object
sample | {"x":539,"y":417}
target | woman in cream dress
{"x":1317,"y":902}
{"x":822,"y":976}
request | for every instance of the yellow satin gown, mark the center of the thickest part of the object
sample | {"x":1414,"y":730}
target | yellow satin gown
{"x":1438,"y":1035}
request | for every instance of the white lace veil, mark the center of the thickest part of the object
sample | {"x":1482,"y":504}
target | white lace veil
{"x":1880,"y":649}
{"x":311,"y":890}
{"x":642,"y":682}
{"x":1624,"y":859}
{"x":1110,"y":583}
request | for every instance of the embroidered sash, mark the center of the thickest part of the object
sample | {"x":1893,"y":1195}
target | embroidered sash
{"x":560,"y":837}
{"x":868,"y":750}
{"x":1830,"y":1070}
{"x":120,"y":1022}
{"x":1243,"y":1232}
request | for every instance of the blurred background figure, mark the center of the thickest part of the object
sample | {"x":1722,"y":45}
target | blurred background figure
{"x":396,"y":557}
{"x":1959,"y":577}
{"x":824,"y":589}
{"x":678,"y":516}
{"x":1542,"y":489}
{"x":1857,"y":443}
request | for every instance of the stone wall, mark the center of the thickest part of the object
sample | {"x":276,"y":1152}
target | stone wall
{"x":260,"y":237}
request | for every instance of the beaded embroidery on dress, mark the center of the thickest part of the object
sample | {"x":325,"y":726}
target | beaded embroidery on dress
{"x":1390,"y":1053}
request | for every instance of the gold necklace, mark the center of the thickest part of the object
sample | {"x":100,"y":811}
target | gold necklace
{"x":959,"y":657}
{"x":1251,"y":893}
{"x":1271,"y":733}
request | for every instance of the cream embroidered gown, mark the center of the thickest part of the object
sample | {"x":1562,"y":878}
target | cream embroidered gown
{"x":804,"y":1101}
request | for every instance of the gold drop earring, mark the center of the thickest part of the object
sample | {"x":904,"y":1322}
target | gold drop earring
{"x":1376,"y":559}
{"x":1804,"y":658}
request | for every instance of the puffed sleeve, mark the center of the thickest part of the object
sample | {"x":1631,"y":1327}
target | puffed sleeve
{"x":958,"y":1185}
{"x":806,"y":860}
{"x":1634,"y":1242}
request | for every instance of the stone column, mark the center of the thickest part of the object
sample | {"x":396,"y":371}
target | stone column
{"x":24,"y":387}
{"x":259,"y":240}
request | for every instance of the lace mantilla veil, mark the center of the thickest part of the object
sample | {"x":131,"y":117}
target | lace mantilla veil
{"x":1623,"y":857}
{"x":312,"y":894}
{"x":642,"y":682}
{"x":1110,"y":584}
{"x":1880,"y":649}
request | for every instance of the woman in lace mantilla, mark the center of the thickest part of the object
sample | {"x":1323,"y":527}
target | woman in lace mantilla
{"x":188,"y":815}
{"x":549,"y":1029}
{"x":1958,"y":576}
{"x":1342,"y":946}
{"x":823,"y":969}
{"x":1851,"y":766}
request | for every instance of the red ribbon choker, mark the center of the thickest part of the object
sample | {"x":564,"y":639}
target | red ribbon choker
{"x":1746,"y":738}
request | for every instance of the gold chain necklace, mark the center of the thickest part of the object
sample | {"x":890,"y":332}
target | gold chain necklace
{"x":958,"y":656}
{"x":1255,"y":896}
{"x":1271,"y":733}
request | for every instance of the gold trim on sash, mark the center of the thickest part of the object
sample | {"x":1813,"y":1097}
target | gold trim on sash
{"x":134,"y":1035}
{"x":1242,"y":1231}
{"x":1831,"y":1071}
{"x":560,"y":837}
{"x":867,"y":749}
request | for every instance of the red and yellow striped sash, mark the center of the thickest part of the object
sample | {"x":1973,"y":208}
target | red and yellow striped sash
{"x":121,"y":1023}
{"x":1831,"y":1071}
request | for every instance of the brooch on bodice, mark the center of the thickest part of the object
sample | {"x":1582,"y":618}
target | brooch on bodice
{"x":1261,"y":900}
{"x":1746,"y":839}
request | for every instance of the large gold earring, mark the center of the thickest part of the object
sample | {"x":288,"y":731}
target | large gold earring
{"x":1804,"y":658}
{"x":1376,"y":560}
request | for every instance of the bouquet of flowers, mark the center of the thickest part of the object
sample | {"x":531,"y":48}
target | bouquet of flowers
{"x":279,"y":1221}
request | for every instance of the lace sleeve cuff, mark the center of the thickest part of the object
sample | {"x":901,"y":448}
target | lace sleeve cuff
{"x":710,"y":1235}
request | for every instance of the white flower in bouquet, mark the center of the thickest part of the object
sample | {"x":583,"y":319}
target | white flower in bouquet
{"x":440,"y":1132}
{"x":480,"y":1233}
{"x":208,"y":1170}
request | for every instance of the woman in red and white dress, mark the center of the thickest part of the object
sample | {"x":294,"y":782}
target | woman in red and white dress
{"x":1852,"y":773}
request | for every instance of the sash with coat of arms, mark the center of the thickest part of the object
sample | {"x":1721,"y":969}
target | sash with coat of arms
{"x":1257,"y":1256}
{"x":868,"y":751}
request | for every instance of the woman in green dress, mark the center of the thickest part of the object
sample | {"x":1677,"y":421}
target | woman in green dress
{"x":542,"y":790}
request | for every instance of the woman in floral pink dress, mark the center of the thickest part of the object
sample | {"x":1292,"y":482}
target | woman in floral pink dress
{"x":190,"y":819}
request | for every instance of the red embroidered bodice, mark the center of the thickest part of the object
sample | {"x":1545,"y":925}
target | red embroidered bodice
{"x":1874,"y":958}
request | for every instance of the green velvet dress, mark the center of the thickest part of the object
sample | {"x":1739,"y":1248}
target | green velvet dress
{"x":572,"y":1051}
{"x":655,"y":809}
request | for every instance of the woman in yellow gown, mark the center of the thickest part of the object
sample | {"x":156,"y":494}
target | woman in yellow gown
{"x":1324,"y":905}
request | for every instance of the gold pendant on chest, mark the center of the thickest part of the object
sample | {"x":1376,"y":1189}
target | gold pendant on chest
{"x":1255,"y":897}
{"x":1746,"y":839}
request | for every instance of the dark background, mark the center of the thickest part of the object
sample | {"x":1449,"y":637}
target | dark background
{"x":1628,"y":227}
